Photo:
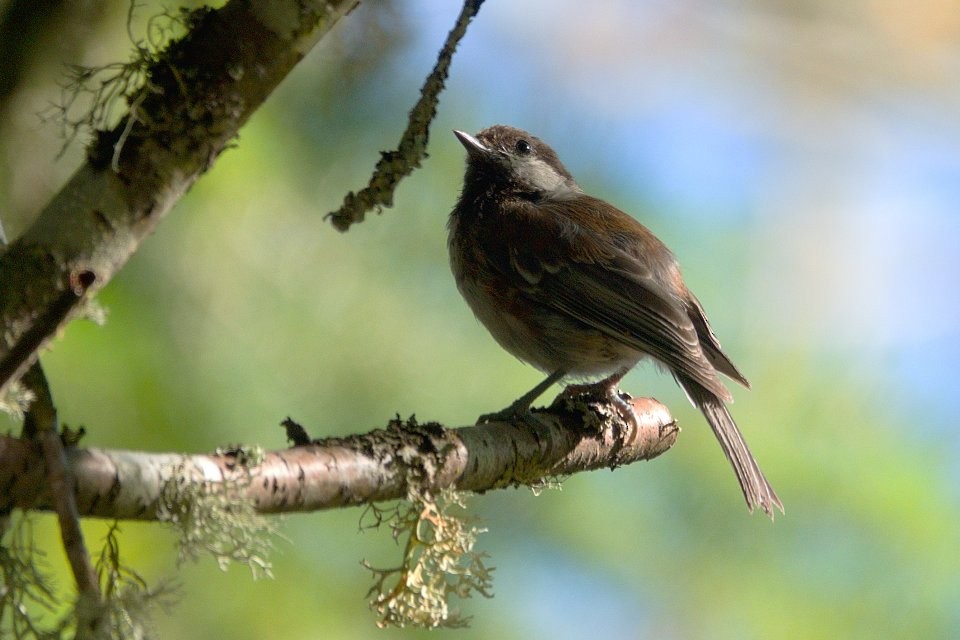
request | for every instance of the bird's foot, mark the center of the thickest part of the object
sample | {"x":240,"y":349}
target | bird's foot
{"x":606,"y":391}
{"x":621,"y":402}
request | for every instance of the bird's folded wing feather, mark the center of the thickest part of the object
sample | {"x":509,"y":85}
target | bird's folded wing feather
{"x":611,"y":289}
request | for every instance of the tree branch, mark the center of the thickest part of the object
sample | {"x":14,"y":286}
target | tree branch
{"x":395,"y":165}
{"x":573,"y":435}
{"x":197,"y":95}
{"x":41,"y":422}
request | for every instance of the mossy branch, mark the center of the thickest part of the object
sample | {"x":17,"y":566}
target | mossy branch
{"x":569,"y":437}
{"x":217,"y":501}
{"x":185,"y":105}
{"x":399,"y":163}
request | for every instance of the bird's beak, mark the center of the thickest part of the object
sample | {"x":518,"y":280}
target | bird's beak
{"x":473,"y":146}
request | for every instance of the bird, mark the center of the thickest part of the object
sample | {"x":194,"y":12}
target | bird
{"x":574,"y":286}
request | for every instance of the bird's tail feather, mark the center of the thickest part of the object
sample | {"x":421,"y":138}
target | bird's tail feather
{"x":756,"y":490}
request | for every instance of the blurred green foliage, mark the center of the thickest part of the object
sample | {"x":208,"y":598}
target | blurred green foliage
{"x":246,"y":307}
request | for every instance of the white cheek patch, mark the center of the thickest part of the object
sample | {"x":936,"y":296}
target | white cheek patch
{"x":539,"y":176}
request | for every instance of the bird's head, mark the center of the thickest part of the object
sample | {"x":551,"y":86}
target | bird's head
{"x":512,"y":160}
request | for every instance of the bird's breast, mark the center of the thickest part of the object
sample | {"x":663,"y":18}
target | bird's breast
{"x":521,"y":323}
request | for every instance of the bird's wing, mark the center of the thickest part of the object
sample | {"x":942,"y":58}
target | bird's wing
{"x":620,"y":287}
{"x":710,"y":344}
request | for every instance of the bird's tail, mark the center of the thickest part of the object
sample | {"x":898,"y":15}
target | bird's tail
{"x":756,"y":490}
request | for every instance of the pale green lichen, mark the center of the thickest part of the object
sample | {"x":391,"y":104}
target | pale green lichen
{"x":27,"y":592}
{"x":15,"y":400}
{"x":29,"y":598}
{"x":439,"y":562}
{"x":128,"y":604}
{"x":217,"y":518}
{"x":93,"y":98}
{"x":546,"y":483}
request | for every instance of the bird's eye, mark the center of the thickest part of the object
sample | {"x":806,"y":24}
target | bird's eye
{"x":523,"y":147}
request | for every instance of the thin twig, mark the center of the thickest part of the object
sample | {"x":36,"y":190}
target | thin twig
{"x":395,"y":165}
{"x":41,"y":422}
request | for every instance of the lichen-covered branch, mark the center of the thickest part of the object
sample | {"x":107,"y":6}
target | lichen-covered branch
{"x":395,"y":165}
{"x":196,"y":95}
{"x":571,"y":436}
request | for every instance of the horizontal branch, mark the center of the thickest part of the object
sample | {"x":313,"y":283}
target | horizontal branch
{"x":571,"y":436}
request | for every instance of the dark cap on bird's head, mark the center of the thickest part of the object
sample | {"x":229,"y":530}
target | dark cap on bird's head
{"x":516,"y":158}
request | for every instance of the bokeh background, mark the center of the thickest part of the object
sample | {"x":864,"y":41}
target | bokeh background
{"x":802,"y":159}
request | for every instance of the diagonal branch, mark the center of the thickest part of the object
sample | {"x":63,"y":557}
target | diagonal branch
{"x":571,"y":436}
{"x":395,"y":165}
{"x":197,"y":95}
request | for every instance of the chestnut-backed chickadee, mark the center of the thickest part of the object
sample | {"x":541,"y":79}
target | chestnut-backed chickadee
{"x":578,"y":288}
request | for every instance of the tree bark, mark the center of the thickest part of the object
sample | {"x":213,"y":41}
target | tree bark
{"x":571,"y":436}
{"x":196,"y":97}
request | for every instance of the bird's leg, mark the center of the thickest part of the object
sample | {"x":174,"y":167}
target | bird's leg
{"x":605,"y":388}
{"x":520,"y":409}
